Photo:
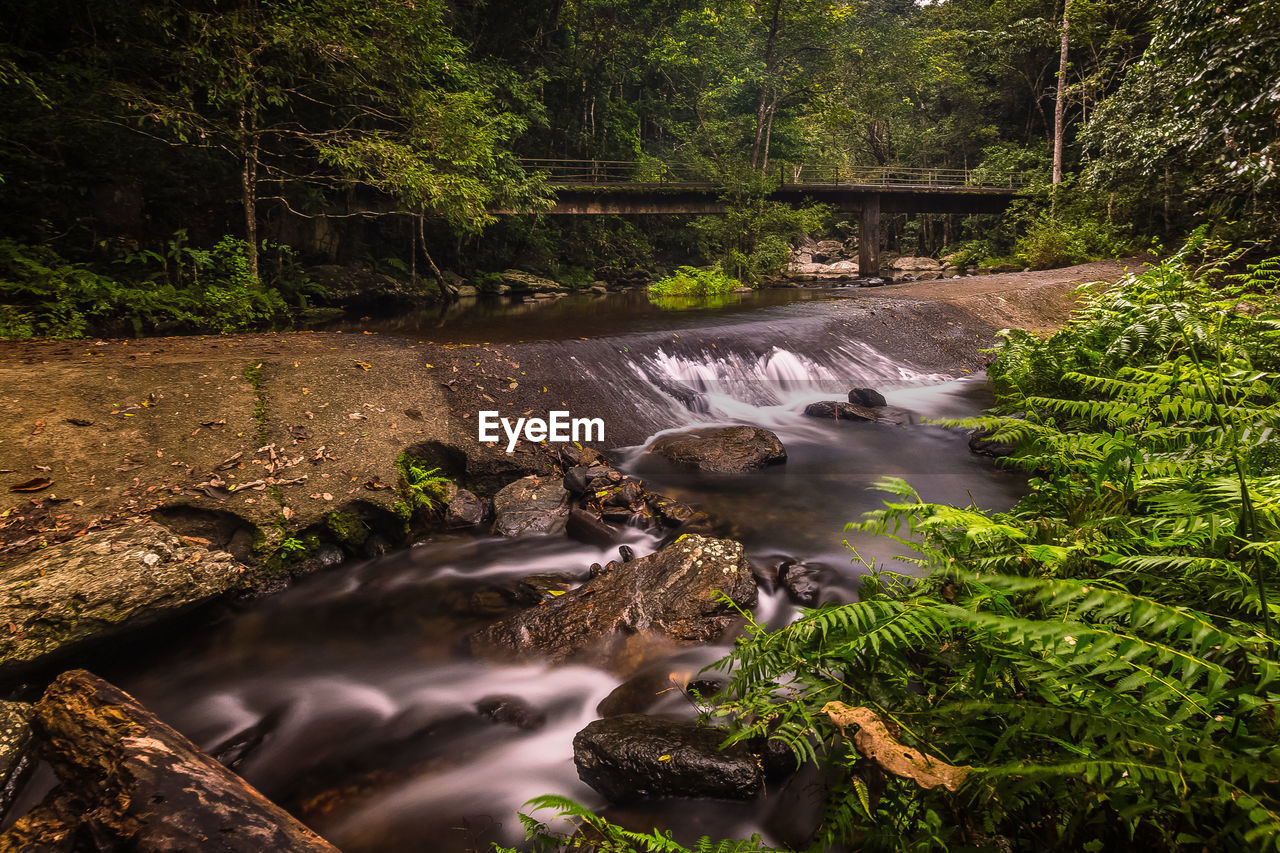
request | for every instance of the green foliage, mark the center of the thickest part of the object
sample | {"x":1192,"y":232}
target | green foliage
{"x":178,"y":287}
{"x":752,"y":238}
{"x":691,"y":282}
{"x":421,"y":489}
{"x":1053,"y":242}
{"x":590,"y":832}
{"x":1103,"y":656}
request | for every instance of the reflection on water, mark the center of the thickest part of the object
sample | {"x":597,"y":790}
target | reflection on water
{"x":506,"y":319}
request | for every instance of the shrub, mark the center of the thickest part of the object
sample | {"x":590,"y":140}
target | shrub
{"x":1051,"y":242}
{"x":693,"y":282}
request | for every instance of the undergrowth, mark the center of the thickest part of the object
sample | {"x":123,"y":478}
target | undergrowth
{"x":1095,"y":669}
{"x":175,"y":288}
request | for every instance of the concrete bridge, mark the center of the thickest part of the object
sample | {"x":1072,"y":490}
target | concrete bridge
{"x":622,"y":187}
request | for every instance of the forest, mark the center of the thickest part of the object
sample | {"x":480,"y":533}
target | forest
{"x":180,"y":164}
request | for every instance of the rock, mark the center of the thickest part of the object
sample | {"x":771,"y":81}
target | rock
{"x":839,"y":411}
{"x":511,"y":711}
{"x":102,"y":583}
{"x":586,"y":526}
{"x":912,"y":263}
{"x":531,"y":505}
{"x":524,"y":282}
{"x":466,"y":510}
{"x":980,"y":443}
{"x":599,"y":289}
{"x":129,"y":782}
{"x":827,"y":250}
{"x":867,"y":397}
{"x":633,"y":757}
{"x":466,"y":290}
{"x":722,"y":449}
{"x":16,"y":753}
{"x":802,"y":582}
{"x":671,"y":594}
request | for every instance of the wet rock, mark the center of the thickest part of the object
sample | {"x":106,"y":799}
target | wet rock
{"x":839,"y":411}
{"x":722,"y":449}
{"x":576,"y":479}
{"x":16,"y":754}
{"x":672,"y":594}
{"x":639,"y":693}
{"x":634,"y":757}
{"x":586,"y":526}
{"x":531,"y":505}
{"x":531,"y":589}
{"x":980,"y":442}
{"x":626,"y":553}
{"x":466,"y":510}
{"x":867,"y":397}
{"x":511,"y":711}
{"x":103,"y":583}
{"x":802,"y":582}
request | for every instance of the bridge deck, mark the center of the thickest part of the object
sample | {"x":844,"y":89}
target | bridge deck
{"x":617,"y":187}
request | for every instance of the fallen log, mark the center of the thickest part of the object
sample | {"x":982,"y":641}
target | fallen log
{"x":141,"y":785}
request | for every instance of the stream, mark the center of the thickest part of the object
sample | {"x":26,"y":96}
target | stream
{"x":350,"y":698}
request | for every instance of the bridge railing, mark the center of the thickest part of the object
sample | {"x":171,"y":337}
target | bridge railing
{"x":618,"y":172}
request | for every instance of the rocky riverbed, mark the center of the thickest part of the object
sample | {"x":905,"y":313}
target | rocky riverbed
{"x":152,"y":479}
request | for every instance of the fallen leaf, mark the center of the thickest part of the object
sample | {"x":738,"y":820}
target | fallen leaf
{"x":39,"y":428}
{"x":363,"y":365}
{"x":34,"y":485}
{"x":82,"y":422}
{"x":874,"y":742}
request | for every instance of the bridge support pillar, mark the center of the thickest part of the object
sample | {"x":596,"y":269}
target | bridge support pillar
{"x":869,"y":237}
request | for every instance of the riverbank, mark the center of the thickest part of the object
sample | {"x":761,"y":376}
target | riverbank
{"x":177,"y":426}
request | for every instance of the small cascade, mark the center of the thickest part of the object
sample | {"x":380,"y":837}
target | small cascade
{"x":674,"y":386}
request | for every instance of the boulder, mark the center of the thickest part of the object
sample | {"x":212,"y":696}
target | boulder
{"x":633,"y":757}
{"x":102,"y":583}
{"x":525,"y":282}
{"x":466,"y":510}
{"x":722,"y":449}
{"x":16,"y":753}
{"x":980,"y":442}
{"x":465,"y":290}
{"x":914,"y":263}
{"x":802,"y":582}
{"x":588,"y":527}
{"x":839,"y":411}
{"x":531,"y":505}
{"x":867,"y":397}
{"x":827,"y":250}
{"x":672,"y":594}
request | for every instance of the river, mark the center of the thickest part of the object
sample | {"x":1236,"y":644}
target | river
{"x":350,"y":698}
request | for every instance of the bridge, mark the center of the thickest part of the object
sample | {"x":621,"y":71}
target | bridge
{"x":627,"y":187}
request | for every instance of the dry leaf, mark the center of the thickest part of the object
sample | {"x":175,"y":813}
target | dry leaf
{"x":33,"y":485}
{"x":875,"y":742}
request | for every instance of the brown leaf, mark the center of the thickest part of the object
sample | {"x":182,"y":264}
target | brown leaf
{"x":39,"y":428}
{"x":875,"y":742}
{"x":80,"y":422}
{"x":229,"y":462}
{"x":33,"y":485}
{"x":375,"y":484}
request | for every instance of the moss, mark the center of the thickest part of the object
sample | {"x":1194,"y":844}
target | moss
{"x":347,"y":528}
{"x":253,"y":373}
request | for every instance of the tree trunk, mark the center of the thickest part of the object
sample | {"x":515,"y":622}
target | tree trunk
{"x":445,"y":290}
{"x":762,"y":110}
{"x":131,"y":782}
{"x":249,"y":189}
{"x":1060,"y":100}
